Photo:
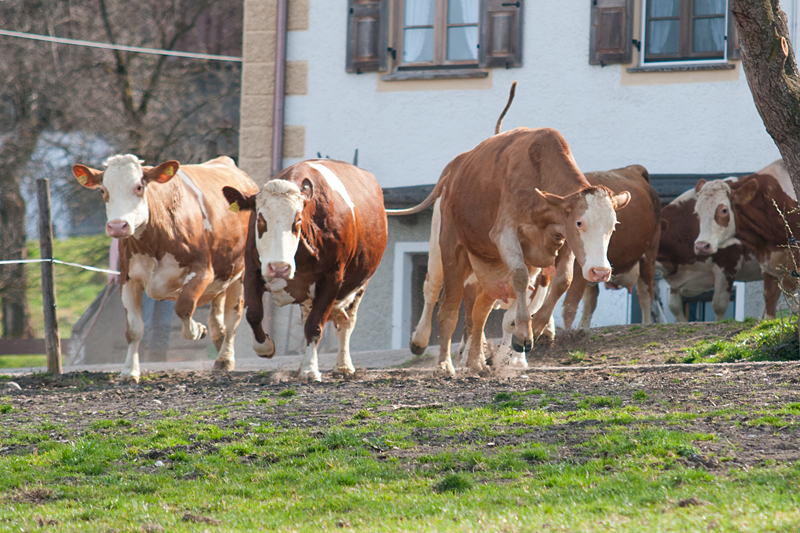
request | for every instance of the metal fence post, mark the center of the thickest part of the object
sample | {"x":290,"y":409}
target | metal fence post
{"x":52,"y":340}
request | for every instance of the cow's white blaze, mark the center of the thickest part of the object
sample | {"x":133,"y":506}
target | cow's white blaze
{"x":122,"y":178}
{"x":713,"y":196}
{"x":188,"y":181}
{"x":597,"y":225}
{"x":279,"y":203}
{"x":335,"y":183}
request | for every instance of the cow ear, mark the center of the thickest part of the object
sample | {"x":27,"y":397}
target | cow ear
{"x":238,"y":201}
{"x":699,"y":185}
{"x":88,"y":177}
{"x":559,"y":202}
{"x":162,"y":173}
{"x":307,"y":189}
{"x":744,"y":193}
{"x":620,"y":200}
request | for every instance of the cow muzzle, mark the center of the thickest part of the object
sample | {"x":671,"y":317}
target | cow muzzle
{"x":703,"y":248}
{"x":117,"y":228}
{"x":279,"y":270}
{"x":599,"y":274}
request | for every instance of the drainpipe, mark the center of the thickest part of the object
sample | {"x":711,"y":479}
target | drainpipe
{"x":280,"y":89}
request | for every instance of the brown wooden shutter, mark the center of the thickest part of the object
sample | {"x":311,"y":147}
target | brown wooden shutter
{"x":733,"y":35}
{"x":367,"y":28}
{"x":611,"y":33}
{"x":501,"y":33}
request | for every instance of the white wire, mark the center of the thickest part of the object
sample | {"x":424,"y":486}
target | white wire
{"x":108,"y":46}
{"x":60,"y":262}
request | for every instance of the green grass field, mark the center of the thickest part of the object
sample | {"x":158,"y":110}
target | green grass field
{"x":383,"y":470}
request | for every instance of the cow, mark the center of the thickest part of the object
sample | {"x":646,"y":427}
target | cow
{"x":758,"y":212}
{"x":316,"y":236}
{"x":513,"y":205}
{"x":633,"y":247}
{"x":178,"y":241}
{"x":688,"y":274}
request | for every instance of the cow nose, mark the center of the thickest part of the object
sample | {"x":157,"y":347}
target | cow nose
{"x":278,"y":270}
{"x":598,"y":274}
{"x":117,"y":228}
{"x":702,"y":248}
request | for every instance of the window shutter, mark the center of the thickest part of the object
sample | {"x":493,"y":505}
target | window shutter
{"x":501,"y":33}
{"x":611,"y":33}
{"x":733,"y":35}
{"x":367,"y":27}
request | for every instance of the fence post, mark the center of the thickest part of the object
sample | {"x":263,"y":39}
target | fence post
{"x":52,"y":341}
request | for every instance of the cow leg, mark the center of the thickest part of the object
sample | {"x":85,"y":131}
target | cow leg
{"x":645,"y":288}
{"x":345,"y":322}
{"x":482,"y":306}
{"x":722,"y":293}
{"x":449,"y":302}
{"x":510,"y":251}
{"x":570,"y":306}
{"x":132,"y":302}
{"x":254,"y":313}
{"x":216,"y":320}
{"x":470,"y":293}
{"x":233,"y":315}
{"x":675,"y":302}
{"x":558,"y":285}
{"x":432,"y":286}
{"x":187,"y":302}
{"x":321,"y":306}
{"x":590,"y":293}
{"x":772,"y":292}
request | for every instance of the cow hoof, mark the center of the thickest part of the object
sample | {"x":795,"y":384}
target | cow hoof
{"x":346,"y":371}
{"x":446,"y":369}
{"x":132,"y":377}
{"x":521,"y":347}
{"x":310,"y":376}
{"x":224,"y":364}
{"x":416,"y":349}
{"x":518,"y":361}
{"x":265,"y":349}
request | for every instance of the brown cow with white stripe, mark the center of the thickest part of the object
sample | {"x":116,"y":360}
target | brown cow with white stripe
{"x":317,"y":234}
{"x":178,"y":241}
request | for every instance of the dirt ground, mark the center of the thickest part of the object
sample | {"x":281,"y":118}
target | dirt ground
{"x":732,"y":399}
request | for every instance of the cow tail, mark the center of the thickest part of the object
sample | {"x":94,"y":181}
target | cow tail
{"x":511,"y":94}
{"x":435,"y":193}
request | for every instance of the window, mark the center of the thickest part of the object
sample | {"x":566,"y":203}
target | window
{"x":439,"y":32}
{"x":684,"y":30}
{"x":433,"y":35}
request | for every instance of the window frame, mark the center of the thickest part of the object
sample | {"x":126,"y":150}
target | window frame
{"x":685,"y":39}
{"x":440,"y":27}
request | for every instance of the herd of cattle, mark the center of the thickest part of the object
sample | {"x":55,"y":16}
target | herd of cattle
{"x":515,"y":224}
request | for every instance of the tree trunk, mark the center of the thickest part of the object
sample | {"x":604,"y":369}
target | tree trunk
{"x":772,"y":74}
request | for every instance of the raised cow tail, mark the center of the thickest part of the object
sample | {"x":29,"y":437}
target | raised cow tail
{"x":511,"y":94}
{"x":435,"y":193}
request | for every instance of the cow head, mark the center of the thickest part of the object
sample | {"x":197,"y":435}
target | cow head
{"x":123,"y":185}
{"x":717,"y":223}
{"x":589,"y":217}
{"x":279,"y":211}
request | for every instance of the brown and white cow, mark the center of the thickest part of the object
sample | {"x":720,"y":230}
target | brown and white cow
{"x":317,"y":233}
{"x":751,"y":212}
{"x":633,"y":247}
{"x":497,"y":222}
{"x":178,"y":241}
{"x":688,"y":274}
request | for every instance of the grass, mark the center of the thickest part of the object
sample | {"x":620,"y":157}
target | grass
{"x":404,"y":470}
{"x":75,"y":287}
{"x":22,"y":361}
{"x":769,"y":340}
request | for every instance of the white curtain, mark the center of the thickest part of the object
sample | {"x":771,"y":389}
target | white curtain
{"x":470,"y":11}
{"x":658,"y":31}
{"x":417,"y":13}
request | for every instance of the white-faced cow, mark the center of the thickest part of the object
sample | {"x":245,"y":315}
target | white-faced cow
{"x":633,"y":247}
{"x":750,"y":212}
{"x":317,"y":234}
{"x":498,"y":222}
{"x":178,"y":241}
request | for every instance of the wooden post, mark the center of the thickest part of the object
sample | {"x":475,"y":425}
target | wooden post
{"x":52,"y":341}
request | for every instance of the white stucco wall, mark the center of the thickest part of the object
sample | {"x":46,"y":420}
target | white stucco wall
{"x":407,"y":136}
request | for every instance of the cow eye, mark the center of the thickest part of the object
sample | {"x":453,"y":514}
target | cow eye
{"x":724,"y":211}
{"x":139,"y":189}
{"x":580,"y":224}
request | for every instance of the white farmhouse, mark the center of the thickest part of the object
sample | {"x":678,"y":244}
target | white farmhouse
{"x":410,"y":84}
